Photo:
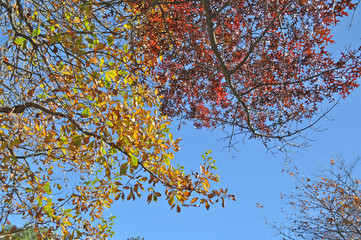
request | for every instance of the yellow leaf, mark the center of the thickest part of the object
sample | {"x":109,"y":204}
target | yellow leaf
{"x":194,"y":199}
{"x":171,"y":200}
{"x":128,"y":26}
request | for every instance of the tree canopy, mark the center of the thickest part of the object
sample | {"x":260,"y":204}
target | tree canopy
{"x":260,"y":67}
{"x":88,"y":89}
{"x":78,"y":128}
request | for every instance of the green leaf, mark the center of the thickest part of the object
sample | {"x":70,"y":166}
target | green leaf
{"x":125,"y":47}
{"x":19,"y":41}
{"x":47,"y":208}
{"x":61,"y":66}
{"x":23,"y":45}
{"x":134,"y":159}
{"x":36,"y":32}
{"x":103,"y":151}
{"x":107,"y":81}
{"x":166,"y":159}
{"x":47,"y":188}
{"x":123,"y":72}
{"x":40,"y":202}
{"x":86,"y":112}
{"x":67,"y":211}
{"x":110,"y":39}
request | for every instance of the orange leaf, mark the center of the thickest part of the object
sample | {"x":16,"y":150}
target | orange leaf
{"x":194,"y":199}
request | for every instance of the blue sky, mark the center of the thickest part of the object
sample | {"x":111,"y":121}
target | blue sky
{"x":254,"y":175}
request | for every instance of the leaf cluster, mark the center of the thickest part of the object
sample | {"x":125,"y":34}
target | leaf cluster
{"x":79,"y":126}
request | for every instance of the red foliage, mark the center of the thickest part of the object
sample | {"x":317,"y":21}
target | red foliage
{"x":262,"y":66}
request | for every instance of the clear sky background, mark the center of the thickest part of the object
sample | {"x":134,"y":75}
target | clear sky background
{"x":254,"y":175}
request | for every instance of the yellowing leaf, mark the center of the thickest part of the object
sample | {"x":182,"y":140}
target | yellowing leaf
{"x":47,"y":188}
{"x":128,"y":26}
{"x":134,"y":159}
{"x":86,"y":112}
{"x":166,"y":160}
{"x":171,"y":200}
